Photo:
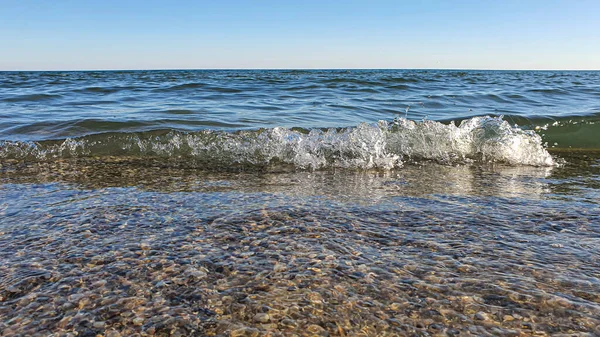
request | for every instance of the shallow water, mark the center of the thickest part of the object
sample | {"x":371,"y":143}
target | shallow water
{"x":113,"y":245}
{"x":294,"y":224}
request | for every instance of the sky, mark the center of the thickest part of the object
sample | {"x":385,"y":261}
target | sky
{"x":233,"y":34}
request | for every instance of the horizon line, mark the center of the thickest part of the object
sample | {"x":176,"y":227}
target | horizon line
{"x":290,"y":69}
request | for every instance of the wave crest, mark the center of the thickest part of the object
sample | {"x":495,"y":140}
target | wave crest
{"x":385,"y":145}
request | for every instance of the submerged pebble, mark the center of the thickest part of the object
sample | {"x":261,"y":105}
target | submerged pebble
{"x":252,"y":258}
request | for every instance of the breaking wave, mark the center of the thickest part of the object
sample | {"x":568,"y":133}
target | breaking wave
{"x":384,"y":145}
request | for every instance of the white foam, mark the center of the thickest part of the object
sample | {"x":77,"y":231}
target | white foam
{"x":382,"y":146}
{"x":488,"y":139}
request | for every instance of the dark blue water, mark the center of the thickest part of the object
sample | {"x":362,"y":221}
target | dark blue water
{"x":292,"y":203}
{"x":51,"y":105}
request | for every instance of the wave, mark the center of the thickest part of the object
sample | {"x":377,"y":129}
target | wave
{"x":571,"y":133}
{"x":197,"y":86}
{"x":384,"y":145}
{"x":186,"y":86}
{"x":562,"y":132}
{"x":101,"y":90}
{"x":31,"y":98}
{"x":552,"y":91}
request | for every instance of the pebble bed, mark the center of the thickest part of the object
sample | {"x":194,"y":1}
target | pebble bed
{"x":172,"y":254}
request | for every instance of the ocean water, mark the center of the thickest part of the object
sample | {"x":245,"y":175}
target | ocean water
{"x":300,"y":203}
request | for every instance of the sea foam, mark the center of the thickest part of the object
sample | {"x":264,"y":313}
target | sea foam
{"x":382,"y":145}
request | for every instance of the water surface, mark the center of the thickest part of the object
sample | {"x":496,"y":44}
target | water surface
{"x":299,"y":203}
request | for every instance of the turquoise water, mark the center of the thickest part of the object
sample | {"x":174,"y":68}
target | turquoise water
{"x":300,"y":203}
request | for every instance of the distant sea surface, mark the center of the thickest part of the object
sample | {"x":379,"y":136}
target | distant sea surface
{"x":57,"y":105}
{"x":300,"y":202}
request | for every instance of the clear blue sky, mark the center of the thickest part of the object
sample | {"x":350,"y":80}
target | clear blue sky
{"x":148,"y":34}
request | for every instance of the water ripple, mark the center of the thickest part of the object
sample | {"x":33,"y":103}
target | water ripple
{"x":286,"y":98}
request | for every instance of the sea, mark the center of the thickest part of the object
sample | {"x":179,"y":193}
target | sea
{"x":300,"y":203}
